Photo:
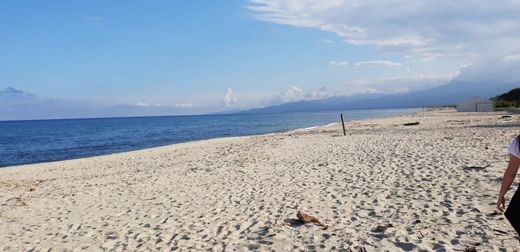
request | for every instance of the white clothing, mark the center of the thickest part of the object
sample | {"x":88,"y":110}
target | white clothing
{"x":513,"y":148}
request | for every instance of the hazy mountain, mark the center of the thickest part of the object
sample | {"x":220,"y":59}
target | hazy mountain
{"x":452,"y":93}
{"x":315,"y":105}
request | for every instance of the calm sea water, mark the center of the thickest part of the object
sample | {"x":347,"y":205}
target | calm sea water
{"x":27,"y":142}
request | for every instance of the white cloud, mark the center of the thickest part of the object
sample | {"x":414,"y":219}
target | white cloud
{"x":369,"y":91}
{"x":513,"y":57}
{"x":184,"y":105}
{"x":504,"y":70}
{"x":338,"y":63}
{"x":398,"y":84}
{"x":321,"y":93}
{"x":144,"y":104}
{"x":378,"y":63}
{"x":292,"y":94}
{"x":426,"y":29}
{"x":390,"y":85}
{"x":229,"y":99}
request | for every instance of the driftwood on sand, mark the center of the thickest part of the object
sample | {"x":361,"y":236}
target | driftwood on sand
{"x":307,"y":218}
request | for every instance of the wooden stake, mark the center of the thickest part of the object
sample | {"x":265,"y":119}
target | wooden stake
{"x":343,"y":124}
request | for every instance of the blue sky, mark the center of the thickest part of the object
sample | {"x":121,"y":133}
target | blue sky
{"x":205,"y":56}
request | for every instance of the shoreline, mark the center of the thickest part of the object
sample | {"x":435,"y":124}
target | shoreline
{"x":384,"y":186}
{"x":190,"y":141}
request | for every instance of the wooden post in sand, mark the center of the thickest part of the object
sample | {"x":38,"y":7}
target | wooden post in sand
{"x":343,"y":124}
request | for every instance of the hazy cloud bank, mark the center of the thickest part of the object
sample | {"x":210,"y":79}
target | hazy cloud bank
{"x":16,"y":104}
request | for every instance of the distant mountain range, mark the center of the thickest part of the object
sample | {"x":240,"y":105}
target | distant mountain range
{"x":451,"y":93}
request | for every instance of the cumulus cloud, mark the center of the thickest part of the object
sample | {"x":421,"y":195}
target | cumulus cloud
{"x":321,"y":93}
{"x":338,"y":63}
{"x":378,"y":63}
{"x":229,"y":99}
{"x":424,"y":29}
{"x":294,"y":94}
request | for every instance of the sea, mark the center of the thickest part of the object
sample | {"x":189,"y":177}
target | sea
{"x":37,"y":141}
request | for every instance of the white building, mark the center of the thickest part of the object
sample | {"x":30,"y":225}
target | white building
{"x":476,"y":104}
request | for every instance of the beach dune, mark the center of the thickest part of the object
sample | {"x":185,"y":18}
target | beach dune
{"x":384,"y":186}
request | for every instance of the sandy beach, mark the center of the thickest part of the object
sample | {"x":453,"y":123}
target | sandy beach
{"x":383,"y":187}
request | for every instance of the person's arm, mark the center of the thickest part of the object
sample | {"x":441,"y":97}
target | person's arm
{"x":507,"y":180}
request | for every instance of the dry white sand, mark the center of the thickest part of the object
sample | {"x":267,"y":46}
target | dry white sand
{"x":384,"y":186}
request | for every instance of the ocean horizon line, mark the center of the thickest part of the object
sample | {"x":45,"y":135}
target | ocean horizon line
{"x":41,"y":141}
{"x":238,"y":113}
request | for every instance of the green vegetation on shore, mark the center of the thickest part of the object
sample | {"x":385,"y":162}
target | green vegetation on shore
{"x":508,"y":99}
